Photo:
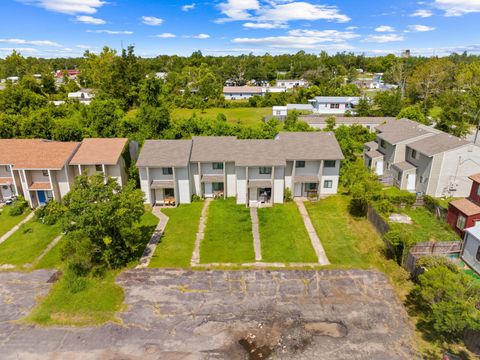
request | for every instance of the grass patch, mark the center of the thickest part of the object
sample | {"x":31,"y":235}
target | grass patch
{"x":52,"y":259}
{"x":27,"y":243}
{"x":426,"y":227}
{"x":228,"y":234}
{"x":353,"y":243}
{"x":7,"y":222}
{"x":94,"y":305}
{"x":177,"y":243}
{"x":283,"y":235}
{"x":244,"y":116}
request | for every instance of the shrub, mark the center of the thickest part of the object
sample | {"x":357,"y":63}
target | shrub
{"x":18,"y":206}
{"x":51,"y":213}
{"x":287,"y":195}
{"x":399,"y":237}
{"x":196,"y":198}
{"x":385,"y":207}
{"x":398,"y":197}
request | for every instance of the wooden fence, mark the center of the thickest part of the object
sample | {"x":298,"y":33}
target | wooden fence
{"x":431,"y":248}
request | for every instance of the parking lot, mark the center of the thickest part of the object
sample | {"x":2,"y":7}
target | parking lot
{"x":180,"y":314}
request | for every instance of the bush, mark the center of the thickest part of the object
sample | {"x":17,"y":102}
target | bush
{"x":287,"y":195}
{"x":51,"y":213}
{"x":399,"y":237}
{"x":398,"y":197}
{"x":75,"y":283}
{"x":18,"y":206}
{"x":385,"y":207}
{"x":196,"y":198}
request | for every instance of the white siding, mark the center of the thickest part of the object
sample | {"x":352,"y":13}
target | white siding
{"x":183,"y":185}
{"x":63,"y":186}
{"x":470,"y":252}
{"x":241,"y":185}
{"x":231,"y":180}
{"x":278,"y":184}
{"x":145,"y":186}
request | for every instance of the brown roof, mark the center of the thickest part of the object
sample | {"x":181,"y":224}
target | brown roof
{"x":213,"y":148}
{"x":40,"y":186}
{"x":36,"y":153}
{"x":306,"y":178}
{"x":162,"y":184}
{"x":316,"y":145}
{"x":165,"y":153}
{"x":396,"y":131}
{"x":466,"y":206}
{"x":213,"y":178}
{"x":475,"y":177}
{"x":437,"y":144}
{"x":242,"y":90}
{"x":259,"y":184}
{"x":99,"y":151}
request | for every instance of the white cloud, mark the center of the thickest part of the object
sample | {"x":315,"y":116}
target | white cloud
{"x":304,"y":39}
{"x":84,"y":47}
{"x":259,"y":25}
{"x":385,"y":28}
{"x":112,"y":32}
{"x":68,"y":6}
{"x":458,"y":7}
{"x":351,"y":28}
{"x":278,"y":11}
{"x":422,"y":13}
{"x":90,"y":20}
{"x":384,"y":38}
{"x":30,"y":42}
{"x":188,"y":7}
{"x":201,"y":36}
{"x":420,"y":28}
{"x":151,"y":20}
{"x":165,"y":36}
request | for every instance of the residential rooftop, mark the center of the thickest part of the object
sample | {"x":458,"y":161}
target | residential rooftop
{"x":242,"y":89}
{"x":36,"y":153}
{"x":310,"y":145}
{"x":466,"y":206}
{"x":396,"y":131}
{"x":336,"y":99}
{"x":437,"y":144}
{"x":213,"y":148}
{"x":99,"y":151}
{"x":347,"y":120}
{"x":165,"y":153}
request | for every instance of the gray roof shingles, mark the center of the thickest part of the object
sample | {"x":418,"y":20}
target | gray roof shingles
{"x":165,"y":153}
{"x":397,"y":131}
{"x":437,"y":144}
{"x":310,"y":146}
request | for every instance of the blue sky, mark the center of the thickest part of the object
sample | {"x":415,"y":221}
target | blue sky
{"x":51,"y":28}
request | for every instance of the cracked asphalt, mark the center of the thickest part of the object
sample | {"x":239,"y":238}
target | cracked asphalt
{"x":189,"y":315}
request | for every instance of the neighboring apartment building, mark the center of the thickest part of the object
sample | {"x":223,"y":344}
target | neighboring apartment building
{"x":241,"y":92}
{"x":254,"y":171}
{"x":423,"y":160}
{"x":465,"y":213}
{"x":41,"y":170}
{"x":320,"y":122}
{"x":471,"y":247}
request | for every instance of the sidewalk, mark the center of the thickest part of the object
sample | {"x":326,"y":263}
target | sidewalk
{"x":157,"y":234}
{"x":16,"y":227}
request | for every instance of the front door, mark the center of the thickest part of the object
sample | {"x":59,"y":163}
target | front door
{"x":42,"y":198}
{"x":411,"y":178}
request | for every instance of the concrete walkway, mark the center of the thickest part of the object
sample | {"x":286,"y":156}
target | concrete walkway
{"x":200,"y":234}
{"x":317,"y":245}
{"x":45,"y":251}
{"x":16,"y":227}
{"x":257,"y":247}
{"x":157,"y":234}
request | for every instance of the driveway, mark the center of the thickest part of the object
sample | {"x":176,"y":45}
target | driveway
{"x":180,"y":314}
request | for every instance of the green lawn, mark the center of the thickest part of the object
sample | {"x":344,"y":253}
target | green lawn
{"x":244,"y":116}
{"x":426,"y":227}
{"x":52,"y":259}
{"x":94,"y":305}
{"x":228,"y":234}
{"x":177,"y":243}
{"x":27,"y":243}
{"x":283,"y":235}
{"x":7,"y":222}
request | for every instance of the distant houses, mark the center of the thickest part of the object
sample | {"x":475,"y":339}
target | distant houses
{"x":291,"y":84}
{"x":321,"y":122}
{"x":322,"y":105}
{"x":420,"y":159}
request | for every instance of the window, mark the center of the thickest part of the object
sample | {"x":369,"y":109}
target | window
{"x":168,"y":193}
{"x":330,"y":163}
{"x":478,"y":190}
{"x":45,"y":172}
{"x":49,"y":195}
{"x":167,"y":171}
{"x":382,"y":143}
{"x":217,"y":186}
{"x":478,"y":254}
{"x":7,"y":168}
{"x":300,"y":164}
{"x":328,"y":184}
{"x":265,"y":170}
{"x":461,"y":220}
{"x":311,"y":186}
{"x":98,"y":168}
{"x":217,"y":166}
{"x":414,"y":154}
{"x":334,"y":106}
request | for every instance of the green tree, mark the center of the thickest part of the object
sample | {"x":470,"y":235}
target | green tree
{"x":99,"y":221}
{"x":388,"y":103}
{"x":413,"y":113}
{"x":364,"y":108}
{"x":14,"y":65}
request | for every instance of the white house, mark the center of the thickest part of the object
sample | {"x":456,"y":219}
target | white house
{"x":321,"y":122}
{"x":241,"y":92}
{"x":291,"y":84}
{"x":282,"y":111}
{"x":334,"y":105}
{"x":256,"y":172}
{"x":85,"y":96}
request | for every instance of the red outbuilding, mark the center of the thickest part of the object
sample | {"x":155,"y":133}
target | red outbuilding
{"x":464,"y":213}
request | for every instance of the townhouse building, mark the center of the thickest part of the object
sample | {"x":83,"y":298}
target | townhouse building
{"x":42,"y":170}
{"x":422,"y":159}
{"x":255,"y":172}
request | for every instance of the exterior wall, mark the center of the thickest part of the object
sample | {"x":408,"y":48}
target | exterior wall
{"x":311,"y":168}
{"x":325,"y":109}
{"x":452,"y":216}
{"x":470,"y":249}
{"x":332,"y":174}
{"x":456,"y":167}
{"x":37,"y":176}
{"x":434,"y":180}
{"x":184,"y":195}
{"x":60,"y":183}
{"x":389,"y":151}
{"x":424,"y":165}
{"x":254,"y":173}
{"x":145,"y":185}
{"x":195,"y":179}
{"x":241,"y":184}
{"x":278,"y":184}
{"x":5,"y":171}
{"x":288,"y":175}
{"x":239,"y":96}
{"x":474,"y":196}
{"x":231,"y":180}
